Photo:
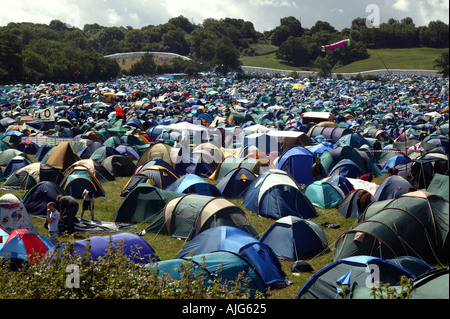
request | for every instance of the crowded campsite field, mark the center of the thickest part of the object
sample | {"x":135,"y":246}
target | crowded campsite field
{"x":271,"y":170}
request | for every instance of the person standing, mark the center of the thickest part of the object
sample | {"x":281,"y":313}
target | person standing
{"x":88,"y":203}
{"x":317,"y":169}
{"x":52,"y":221}
{"x":68,"y":210}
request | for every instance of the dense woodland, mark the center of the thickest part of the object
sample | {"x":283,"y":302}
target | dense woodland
{"x":31,"y":52}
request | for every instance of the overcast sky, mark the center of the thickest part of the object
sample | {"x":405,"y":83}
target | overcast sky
{"x":264,"y":14}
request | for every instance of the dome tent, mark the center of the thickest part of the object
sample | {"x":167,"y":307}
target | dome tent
{"x":186,"y":217}
{"x":323,"y":194}
{"x":293,"y":238}
{"x":297,"y":161}
{"x":275,"y":194}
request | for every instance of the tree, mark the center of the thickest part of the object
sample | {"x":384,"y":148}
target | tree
{"x":324,"y":67}
{"x":298,"y":50}
{"x":11,"y":67}
{"x":146,"y":66}
{"x":226,"y":59}
{"x":442,"y":63}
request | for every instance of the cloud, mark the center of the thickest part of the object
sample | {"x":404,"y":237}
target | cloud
{"x":264,"y":14}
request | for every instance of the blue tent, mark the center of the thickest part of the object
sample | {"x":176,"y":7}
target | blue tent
{"x":341,"y":182}
{"x":293,"y":238}
{"x":346,"y":168}
{"x":79,"y":178}
{"x":223,"y":265}
{"x":275,"y":194}
{"x":236,"y":182}
{"x":237,"y":241}
{"x":132,"y":245}
{"x":318,"y":149}
{"x":127,"y":150}
{"x":191,"y":183}
{"x":352,"y":271}
{"x":298,"y":161}
{"x":323,"y":194}
{"x":89,"y":150}
{"x":3,"y":237}
{"x":349,"y":205}
{"x":15,"y":164}
{"x":394,"y":161}
{"x":42,"y":151}
{"x":392,"y":187}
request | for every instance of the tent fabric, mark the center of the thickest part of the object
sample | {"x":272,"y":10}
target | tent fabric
{"x":275,"y":194}
{"x":324,"y":283}
{"x":323,"y":194}
{"x":330,"y":158}
{"x":223,"y":264}
{"x":349,"y":207}
{"x":79,"y":178}
{"x":341,"y":182}
{"x":293,"y":238}
{"x":191,"y":183}
{"x":119,"y":165}
{"x":60,"y":156}
{"x":392,"y":187}
{"x":36,"y":198}
{"x":232,"y":239}
{"x":346,"y":168}
{"x":439,"y":185}
{"x":25,"y":245}
{"x":236,"y":182}
{"x":143,"y":203}
{"x":133,"y":246}
{"x":414,"y":224}
{"x":157,"y":175}
{"x":298,"y":162}
{"x":186,"y":217}
{"x":14,"y":215}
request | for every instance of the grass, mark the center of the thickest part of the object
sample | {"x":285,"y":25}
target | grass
{"x":167,"y":247}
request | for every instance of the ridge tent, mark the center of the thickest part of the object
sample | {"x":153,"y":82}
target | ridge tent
{"x":275,"y":194}
{"x":185,"y":217}
{"x":392,"y":187}
{"x":293,"y":238}
{"x":191,"y":183}
{"x":60,"y":156}
{"x":414,"y":224}
{"x":24,"y":245}
{"x":236,"y":183}
{"x":330,"y":133}
{"x":36,"y":198}
{"x":349,"y":205}
{"x":119,"y":166}
{"x":324,"y":195}
{"x":223,"y":264}
{"x":143,"y":203}
{"x":239,"y":242}
{"x":157,"y":175}
{"x":297,"y":161}
{"x":79,"y":178}
{"x":352,"y":271}
{"x":135,"y":248}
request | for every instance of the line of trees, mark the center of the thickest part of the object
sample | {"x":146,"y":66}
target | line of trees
{"x":57,"y":52}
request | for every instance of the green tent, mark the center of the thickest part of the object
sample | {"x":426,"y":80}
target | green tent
{"x":187,"y":216}
{"x":145,"y":203}
{"x":439,"y":185}
{"x":414,"y":224}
